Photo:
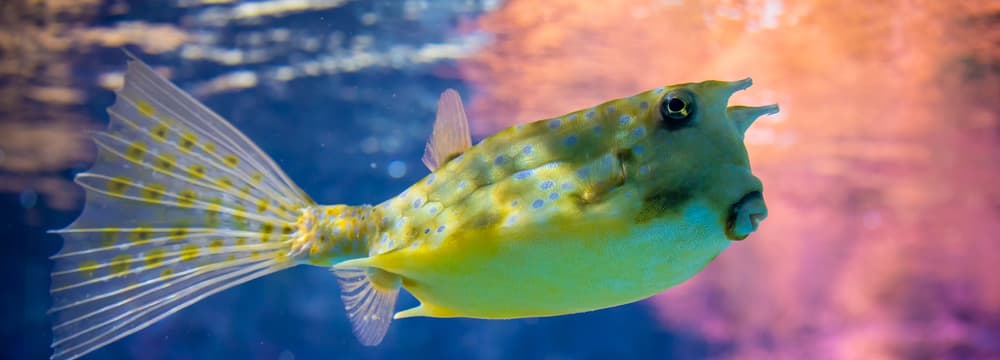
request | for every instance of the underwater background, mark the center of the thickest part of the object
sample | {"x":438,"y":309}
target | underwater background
{"x":881,"y":173}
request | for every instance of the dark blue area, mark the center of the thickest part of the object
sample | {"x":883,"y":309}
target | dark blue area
{"x":312,"y":127}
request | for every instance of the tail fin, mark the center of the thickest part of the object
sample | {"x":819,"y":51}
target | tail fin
{"x":179,"y":206}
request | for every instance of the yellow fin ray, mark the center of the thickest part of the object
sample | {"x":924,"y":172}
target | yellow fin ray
{"x":179,"y":206}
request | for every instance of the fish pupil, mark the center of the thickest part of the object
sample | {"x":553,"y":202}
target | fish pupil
{"x":676,"y":105}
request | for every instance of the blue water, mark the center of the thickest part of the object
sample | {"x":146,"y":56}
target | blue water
{"x":322,"y":130}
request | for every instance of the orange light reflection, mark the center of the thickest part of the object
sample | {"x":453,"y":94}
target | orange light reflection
{"x":880,"y":172}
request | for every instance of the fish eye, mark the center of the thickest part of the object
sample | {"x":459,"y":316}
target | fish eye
{"x":676,"y":109}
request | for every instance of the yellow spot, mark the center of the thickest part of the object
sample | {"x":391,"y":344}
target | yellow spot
{"x":145,"y":108}
{"x":225,"y":182}
{"x":257,"y":178}
{"x":231,"y":160}
{"x":166,"y":273}
{"x":287,"y":229}
{"x":135,"y":151}
{"x":215,"y":245}
{"x":245,"y":191}
{"x":188,"y":141}
{"x":240,"y":241}
{"x":209,"y":147}
{"x":197,"y":171}
{"x":154,"y":258}
{"x":265,"y":231}
{"x":178,"y":233}
{"x":262,"y":205}
{"x":281,"y":256}
{"x":313,"y":249}
{"x":230,"y":257}
{"x":118,"y":185}
{"x":141,"y":234}
{"x":212,"y":212}
{"x":108,"y":237}
{"x":160,"y":132}
{"x":88,"y":267}
{"x":165,"y":162}
{"x":189,"y":252}
{"x":239,"y":217}
{"x":186,"y":198}
{"x":120,"y":264}
{"x":154,"y":191}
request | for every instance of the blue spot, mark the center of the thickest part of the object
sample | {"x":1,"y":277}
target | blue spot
{"x":624,"y":120}
{"x":521,"y":175}
{"x":590,"y":114}
{"x":644,"y":169}
{"x":527,"y":149}
{"x":537,"y":203}
{"x":519,"y":127}
{"x":511,"y":219}
{"x":551,"y":165}
{"x":553,"y":196}
{"x":571,"y":117}
{"x":571,"y":140}
{"x":644,"y":105}
{"x":513,"y":203}
{"x":567,"y":186}
{"x":462,"y":184}
{"x":585,"y":172}
{"x":658,"y":90}
{"x":546,"y":185}
{"x":554,"y":123}
{"x":597,"y":129}
{"x":416,"y":203}
{"x":427,"y":231}
{"x":498,"y":160}
{"x":430,"y":179}
{"x":433,"y":209}
{"x":611,"y":109}
{"x":638,"y":149}
{"x":639,"y":131}
{"x":441,"y":228}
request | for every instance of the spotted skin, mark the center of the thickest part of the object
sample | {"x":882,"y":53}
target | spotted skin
{"x":595,"y":208}
{"x":591,"y":209}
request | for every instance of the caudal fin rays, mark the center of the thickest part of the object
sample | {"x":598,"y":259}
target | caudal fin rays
{"x":179,"y":206}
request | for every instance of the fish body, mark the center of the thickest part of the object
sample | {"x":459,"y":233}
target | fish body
{"x":592,"y":209}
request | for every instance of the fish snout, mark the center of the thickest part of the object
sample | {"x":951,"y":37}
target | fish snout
{"x":745,"y":215}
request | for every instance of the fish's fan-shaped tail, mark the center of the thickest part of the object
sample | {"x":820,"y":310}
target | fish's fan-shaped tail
{"x":179,"y":206}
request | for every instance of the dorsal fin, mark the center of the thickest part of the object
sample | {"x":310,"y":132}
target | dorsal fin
{"x":450,"y":136}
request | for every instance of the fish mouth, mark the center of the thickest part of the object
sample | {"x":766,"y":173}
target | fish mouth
{"x":745,"y":216}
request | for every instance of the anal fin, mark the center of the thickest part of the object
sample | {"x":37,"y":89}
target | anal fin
{"x":369,"y":296}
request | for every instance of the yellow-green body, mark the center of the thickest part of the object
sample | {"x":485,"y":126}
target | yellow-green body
{"x":597,"y":208}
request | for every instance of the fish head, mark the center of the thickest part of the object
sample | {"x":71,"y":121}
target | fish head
{"x":696,"y":151}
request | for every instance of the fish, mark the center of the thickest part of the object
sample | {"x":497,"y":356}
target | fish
{"x":592,"y":209}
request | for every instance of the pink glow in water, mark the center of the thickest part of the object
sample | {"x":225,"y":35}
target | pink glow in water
{"x":881,"y":171}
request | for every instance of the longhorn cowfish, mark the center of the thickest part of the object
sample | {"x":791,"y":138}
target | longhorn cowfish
{"x":595,"y":208}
